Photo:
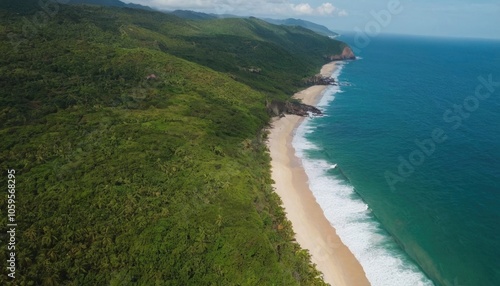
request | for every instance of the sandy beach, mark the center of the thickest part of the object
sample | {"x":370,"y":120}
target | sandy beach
{"x":313,"y":231}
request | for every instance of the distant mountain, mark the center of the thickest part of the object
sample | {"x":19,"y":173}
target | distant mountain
{"x":139,"y":6}
{"x":192,"y":15}
{"x":320,"y":29}
{"x":114,"y":3}
{"x":111,"y":3}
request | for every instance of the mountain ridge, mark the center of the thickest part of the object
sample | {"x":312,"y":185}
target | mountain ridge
{"x":320,"y":29}
{"x":193,"y":15}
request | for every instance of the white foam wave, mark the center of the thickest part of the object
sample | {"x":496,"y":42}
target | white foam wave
{"x":328,"y":96}
{"x":352,"y":217}
{"x":339,"y":66}
{"x":355,"y":225}
{"x":329,"y":93}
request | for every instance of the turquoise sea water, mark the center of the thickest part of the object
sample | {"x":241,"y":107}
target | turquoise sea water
{"x":414,"y":131}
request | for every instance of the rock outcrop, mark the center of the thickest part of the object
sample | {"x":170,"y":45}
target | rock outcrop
{"x":347,"y":54}
{"x":278,"y":108}
{"x":319,"y":80}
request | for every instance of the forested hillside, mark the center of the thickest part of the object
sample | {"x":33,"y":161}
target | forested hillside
{"x":138,"y":145}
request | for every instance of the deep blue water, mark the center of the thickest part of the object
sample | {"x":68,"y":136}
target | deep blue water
{"x":416,"y":190}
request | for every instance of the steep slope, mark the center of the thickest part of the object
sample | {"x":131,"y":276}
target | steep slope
{"x":284,"y":55}
{"x":192,"y":15}
{"x":320,"y":29}
{"x":111,"y":3}
{"x":139,"y":151}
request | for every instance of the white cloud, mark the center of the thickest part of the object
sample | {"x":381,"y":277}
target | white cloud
{"x":303,"y":8}
{"x":343,"y":13}
{"x":326,"y":9}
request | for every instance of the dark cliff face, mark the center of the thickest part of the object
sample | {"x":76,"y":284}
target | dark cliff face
{"x":347,"y":54}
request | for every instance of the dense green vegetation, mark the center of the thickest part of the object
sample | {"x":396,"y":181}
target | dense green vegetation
{"x":125,"y":180}
{"x":320,"y":29}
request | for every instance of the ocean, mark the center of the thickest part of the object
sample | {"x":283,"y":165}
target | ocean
{"x":406,"y":161}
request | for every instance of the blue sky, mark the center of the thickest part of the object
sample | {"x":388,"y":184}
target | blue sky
{"x":458,"y":18}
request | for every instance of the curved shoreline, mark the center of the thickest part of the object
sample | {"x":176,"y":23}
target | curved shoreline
{"x":312,"y":230}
